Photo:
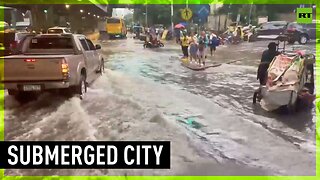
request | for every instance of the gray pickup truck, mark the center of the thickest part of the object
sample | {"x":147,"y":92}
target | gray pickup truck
{"x":52,"y":61}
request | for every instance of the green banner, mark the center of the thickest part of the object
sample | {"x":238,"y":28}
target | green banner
{"x":159,"y":2}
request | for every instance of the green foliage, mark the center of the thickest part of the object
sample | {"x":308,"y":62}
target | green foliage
{"x":158,"y":14}
{"x":270,"y":10}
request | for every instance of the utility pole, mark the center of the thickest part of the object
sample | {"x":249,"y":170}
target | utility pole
{"x":146,"y":13}
{"x":250,"y":13}
{"x":172,"y":26}
{"x":187,"y":6}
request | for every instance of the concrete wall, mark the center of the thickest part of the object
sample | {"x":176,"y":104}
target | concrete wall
{"x":290,"y":17}
{"x":216,"y":24}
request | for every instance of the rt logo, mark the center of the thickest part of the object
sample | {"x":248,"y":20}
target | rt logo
{"x":304,"y":15}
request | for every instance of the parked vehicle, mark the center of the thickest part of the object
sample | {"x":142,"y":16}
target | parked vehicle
{"x":137,"y":30}
{"x":59,"y":30}
{"x":270,"y":30}
{"x":302,"y":33}
{"x":8,"y":37}
{"x":67,"y":62}
{"x":116,"y":27}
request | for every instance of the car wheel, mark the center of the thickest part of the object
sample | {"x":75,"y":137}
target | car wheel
{"x":303,"y":39}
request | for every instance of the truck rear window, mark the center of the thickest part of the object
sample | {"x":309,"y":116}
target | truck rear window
{"x":51,"y":43}
{"x":113,"y":21}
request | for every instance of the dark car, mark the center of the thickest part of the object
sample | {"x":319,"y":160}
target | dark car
{"x":302,"y":33}
{"x":271,"y":28}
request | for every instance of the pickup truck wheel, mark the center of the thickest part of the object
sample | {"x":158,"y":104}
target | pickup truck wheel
{"x":23,"y":97}
{"x":81,"y":89}
{"x":101,"y":69}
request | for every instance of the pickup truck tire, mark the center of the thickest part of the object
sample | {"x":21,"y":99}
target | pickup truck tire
{"x":101,"y":67}
{"x":23,"y":97}
{"x":81,"y":89}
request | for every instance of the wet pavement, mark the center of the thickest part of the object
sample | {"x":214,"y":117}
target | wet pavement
{"x":146,"y":94}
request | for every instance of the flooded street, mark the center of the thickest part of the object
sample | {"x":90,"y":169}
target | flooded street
{"x":145,"y":94}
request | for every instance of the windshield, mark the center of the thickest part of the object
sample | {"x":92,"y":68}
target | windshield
{"x":67,"y":30}
{"x":113,"y":21}
{"x":51,"y":43}
{"x":11,"y":16}
{"x":294,"y":25}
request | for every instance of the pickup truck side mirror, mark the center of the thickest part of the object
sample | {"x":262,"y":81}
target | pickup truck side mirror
{"x":98,"y":46}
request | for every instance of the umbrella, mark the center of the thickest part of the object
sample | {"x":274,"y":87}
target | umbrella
{"x":179,"y":26}
{"x":184,"y":24}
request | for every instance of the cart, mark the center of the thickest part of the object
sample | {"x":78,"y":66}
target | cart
{"x":289,"y":74}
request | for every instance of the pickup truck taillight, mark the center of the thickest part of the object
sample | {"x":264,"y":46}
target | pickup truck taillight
{"x":65,"y":69}
{"x":29,"y":60}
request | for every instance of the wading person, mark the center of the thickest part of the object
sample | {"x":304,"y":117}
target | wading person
{"x":262,"y":75}
{"x":213,"y":43}
{"x":267,"y":56}
{"x":202,"y":47}
{"x":184,"y":40}
{"x":193,"y":48}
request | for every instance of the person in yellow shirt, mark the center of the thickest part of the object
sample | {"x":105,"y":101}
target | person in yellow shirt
{"x":184,"y":44}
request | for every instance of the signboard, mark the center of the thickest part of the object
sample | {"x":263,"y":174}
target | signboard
{"x":186,"y":14}
{"x":201,"y":13}
{"x":204,"y":11}
{"x":304,"y":15}
{"x":262,"y":19}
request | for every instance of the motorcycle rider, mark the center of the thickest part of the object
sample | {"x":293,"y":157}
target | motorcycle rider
{"x":203,"y":42}
{"x":213,"y":42}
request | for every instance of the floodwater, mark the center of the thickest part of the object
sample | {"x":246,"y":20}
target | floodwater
{"x":145,"y":94}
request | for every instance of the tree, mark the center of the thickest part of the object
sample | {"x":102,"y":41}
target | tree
{"x":157,"y":14}
{"x":271,"y":11}
{"x":128,"y":18}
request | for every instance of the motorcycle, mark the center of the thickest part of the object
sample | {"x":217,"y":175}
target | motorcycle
{"x":155,"y":44}
{"x":248,"y":36}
